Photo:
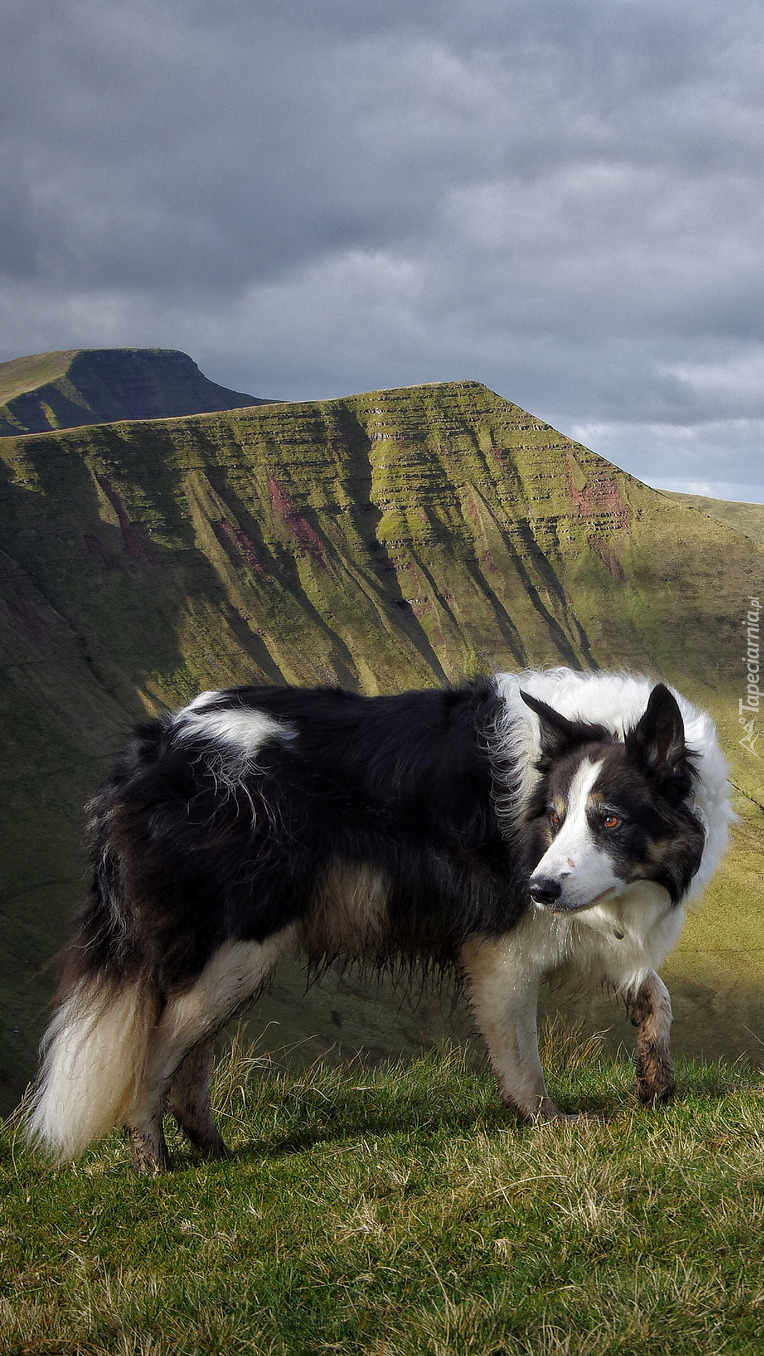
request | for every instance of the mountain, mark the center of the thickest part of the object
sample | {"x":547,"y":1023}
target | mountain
{"x":393,"y":539}
{"x":98,"y":385}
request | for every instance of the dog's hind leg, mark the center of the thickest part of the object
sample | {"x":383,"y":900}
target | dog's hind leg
{"x":503,"y":991}
{"x":188,"y":1023}
{"x":190,"y":1102}
{"x":148,"y":1146}
{"x":649,"y":1008}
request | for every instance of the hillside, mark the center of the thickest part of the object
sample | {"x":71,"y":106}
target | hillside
{"x":99,"y":385}
{"x":743,"y":517}
{"x":387,"y":540}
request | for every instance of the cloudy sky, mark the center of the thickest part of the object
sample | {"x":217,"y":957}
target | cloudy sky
{"x":560,"y":198}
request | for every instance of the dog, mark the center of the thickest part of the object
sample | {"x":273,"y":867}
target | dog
{"x":513,"y":828}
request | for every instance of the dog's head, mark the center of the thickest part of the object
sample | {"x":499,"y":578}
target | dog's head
{"x":608,"y":812}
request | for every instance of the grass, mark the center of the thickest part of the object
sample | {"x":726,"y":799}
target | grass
{"x":24,"y":374}
{"x":397,"y":1210}
{"x":742,"y":516}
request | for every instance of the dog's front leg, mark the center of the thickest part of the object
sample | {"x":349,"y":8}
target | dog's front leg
{"x":649,"y":1008}
{"x":503,"y":991}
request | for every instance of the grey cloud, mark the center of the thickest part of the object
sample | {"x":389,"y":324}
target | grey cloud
{"x":562,"y":199}
{"x":722,"y":459}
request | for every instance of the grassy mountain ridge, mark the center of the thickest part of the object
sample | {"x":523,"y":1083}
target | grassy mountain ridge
{"x":387,"y":540}
{"x":73,"y":387}
{"x":742,"y":516}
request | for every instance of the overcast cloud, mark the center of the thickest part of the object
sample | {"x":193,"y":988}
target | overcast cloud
{"x":562,"y":199}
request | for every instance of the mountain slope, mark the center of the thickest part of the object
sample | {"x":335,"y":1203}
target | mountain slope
{"x":388,"y":540}
{"x":743,"y":517}
{"x":95,"y":386}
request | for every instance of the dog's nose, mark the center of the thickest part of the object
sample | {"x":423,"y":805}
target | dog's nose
{"x":544,"y":890}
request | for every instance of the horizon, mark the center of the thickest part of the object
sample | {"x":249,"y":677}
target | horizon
{"x":155,"y":349}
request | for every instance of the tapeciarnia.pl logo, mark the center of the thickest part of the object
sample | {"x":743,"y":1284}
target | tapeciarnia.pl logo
{"x":749,"y":706}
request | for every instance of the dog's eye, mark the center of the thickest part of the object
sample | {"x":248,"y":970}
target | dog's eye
{"x":611,"y":821}
{"x":554,"y":819}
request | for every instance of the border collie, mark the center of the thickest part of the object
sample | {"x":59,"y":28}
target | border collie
{"x":512,"y":828}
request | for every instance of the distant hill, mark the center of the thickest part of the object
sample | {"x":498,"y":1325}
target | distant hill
{"x":100,"y":385}
{"x":388,"y":540}
{"x":747,"y":518}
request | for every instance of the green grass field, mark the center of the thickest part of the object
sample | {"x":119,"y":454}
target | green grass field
{"x":400,"y":1211}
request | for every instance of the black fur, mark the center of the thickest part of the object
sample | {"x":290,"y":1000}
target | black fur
{"x":559,"y":736}
{"x":183,"y":862}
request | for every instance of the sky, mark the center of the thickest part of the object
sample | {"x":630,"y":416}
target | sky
{"x":559,"y":198}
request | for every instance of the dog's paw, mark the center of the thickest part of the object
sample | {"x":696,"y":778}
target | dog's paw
{"x":655,"y":1092}
{"x":654,"y":1079}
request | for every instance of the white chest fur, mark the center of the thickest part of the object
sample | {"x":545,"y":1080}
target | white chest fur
{"x":614,"y":943}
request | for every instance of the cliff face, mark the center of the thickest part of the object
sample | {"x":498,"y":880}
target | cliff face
{"x":95,"y":386}
{"x":393,"y":539}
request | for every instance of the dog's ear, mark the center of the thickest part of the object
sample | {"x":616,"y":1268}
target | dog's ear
{"x":558,"y":734}
{"x":656,"y":743}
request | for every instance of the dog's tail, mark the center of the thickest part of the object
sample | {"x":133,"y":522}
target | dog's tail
{"x":94,"y":1056}
{"x":95,"y":1050}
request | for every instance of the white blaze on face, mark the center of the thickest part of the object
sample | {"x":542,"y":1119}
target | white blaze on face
{"x":575,"y":860}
